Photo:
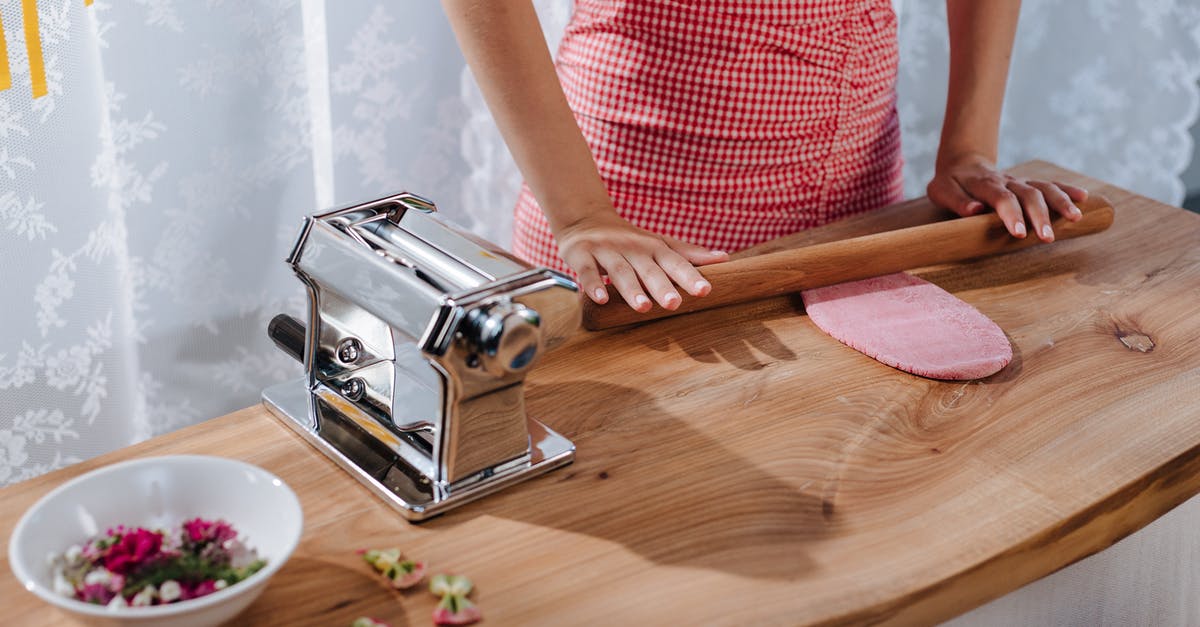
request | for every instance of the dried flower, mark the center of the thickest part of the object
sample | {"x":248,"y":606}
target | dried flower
{"x":145,"y":597}
{"x":62,"y":585}
{"x":95,"y":593}
{"x":170,"y":590}
{"x":239,"y":555}
{"x":133,"y":566}
{"x":200,"y":531}
{"x":106,"y":578}
{"x":203,"y":588}
{"x":74,"y":553}
{"x":132,"y":550}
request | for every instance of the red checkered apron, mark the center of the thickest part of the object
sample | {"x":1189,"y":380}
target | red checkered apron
{"x":730,"y":122}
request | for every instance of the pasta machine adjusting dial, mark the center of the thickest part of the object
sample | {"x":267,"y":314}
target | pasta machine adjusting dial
{"x":507,"y":337}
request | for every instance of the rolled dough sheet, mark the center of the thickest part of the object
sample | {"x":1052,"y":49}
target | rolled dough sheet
{"x":910,"y":324}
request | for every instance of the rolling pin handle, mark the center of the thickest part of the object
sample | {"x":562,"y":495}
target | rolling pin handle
{"x":288,"y":334}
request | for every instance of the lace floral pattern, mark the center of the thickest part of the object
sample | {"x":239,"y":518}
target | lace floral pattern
{"x":147,"y":200}
{"x":1102,"y":87}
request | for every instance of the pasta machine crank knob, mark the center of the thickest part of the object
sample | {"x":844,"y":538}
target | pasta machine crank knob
{"x":506,"y":336}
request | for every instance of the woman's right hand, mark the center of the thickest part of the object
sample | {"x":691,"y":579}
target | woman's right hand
{"x":635,"y":260}
{"x":505,"y":47}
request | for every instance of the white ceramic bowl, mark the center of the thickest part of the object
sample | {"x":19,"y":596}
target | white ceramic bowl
{"x":160,"y":492}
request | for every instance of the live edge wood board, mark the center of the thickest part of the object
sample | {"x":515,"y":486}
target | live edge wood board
{"x":737,"y":466}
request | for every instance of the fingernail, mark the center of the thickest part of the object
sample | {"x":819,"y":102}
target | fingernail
{"x":1075,"y":211}
{"x":640,"y":301}
{"x":601,"y":294}
{"x":716,"y":253}
{"x":1047,"y":232}
{"x":1019,"y":229}
{"x":702,"y":287}
{"x":672,"y":300}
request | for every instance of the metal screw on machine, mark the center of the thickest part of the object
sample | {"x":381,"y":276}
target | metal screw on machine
{"x":349,"y":350}
{"x":354,"y":389}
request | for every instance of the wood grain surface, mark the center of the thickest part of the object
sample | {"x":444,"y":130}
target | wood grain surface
{"x":785,"y":270}
{"x":737,"y":466}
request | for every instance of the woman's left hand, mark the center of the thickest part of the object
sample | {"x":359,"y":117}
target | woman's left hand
{"x":968,"y":185}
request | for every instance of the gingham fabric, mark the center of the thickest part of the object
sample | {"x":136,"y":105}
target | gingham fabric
{"x":730,"y":122}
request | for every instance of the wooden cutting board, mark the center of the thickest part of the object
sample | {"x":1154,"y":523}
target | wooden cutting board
{"x":737,"y":466}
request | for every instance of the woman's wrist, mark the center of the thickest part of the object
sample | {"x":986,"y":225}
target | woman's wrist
{"x":956,"y":154}
{"x":961,"y":145}
{"x":569,"y":211}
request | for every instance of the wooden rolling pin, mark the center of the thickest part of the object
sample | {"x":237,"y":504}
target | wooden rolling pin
{"x":829,"y":263}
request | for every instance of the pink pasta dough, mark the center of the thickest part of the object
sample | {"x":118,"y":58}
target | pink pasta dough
{"x":910,"y":324}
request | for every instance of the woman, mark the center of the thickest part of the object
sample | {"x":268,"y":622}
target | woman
{"x":683,"y":129}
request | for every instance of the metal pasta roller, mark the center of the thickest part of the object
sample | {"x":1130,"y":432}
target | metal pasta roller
{"x":418,"y":341}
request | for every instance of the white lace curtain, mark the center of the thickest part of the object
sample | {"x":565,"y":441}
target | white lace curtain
{"x":148,"y":197}
{"x":147,"y":200}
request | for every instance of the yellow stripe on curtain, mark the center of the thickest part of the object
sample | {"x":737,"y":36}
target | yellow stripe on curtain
{"x":5,"y":74}
{"x":33,"y":45}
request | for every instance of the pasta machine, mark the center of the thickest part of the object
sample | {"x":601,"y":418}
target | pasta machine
{"x":418,"y":340}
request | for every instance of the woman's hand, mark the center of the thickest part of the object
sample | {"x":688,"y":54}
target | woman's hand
{"x":633,"y":259}
{"x":967,"y":185}
{"x":504,"y":45}
{"x":967,"y":181}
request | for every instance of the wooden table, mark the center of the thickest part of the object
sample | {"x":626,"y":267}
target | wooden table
{"x":737,"y":466}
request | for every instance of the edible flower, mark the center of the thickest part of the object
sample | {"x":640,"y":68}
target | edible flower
{"x":145,"y":597}
{"x":208,"y":586}
{"x":132,"y":549}
{"x":200,"y":531}
{"x":95,"y":593}
{"x":139,"y":567}
{"x":170,"y":590}
{"x":62,"y":586}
